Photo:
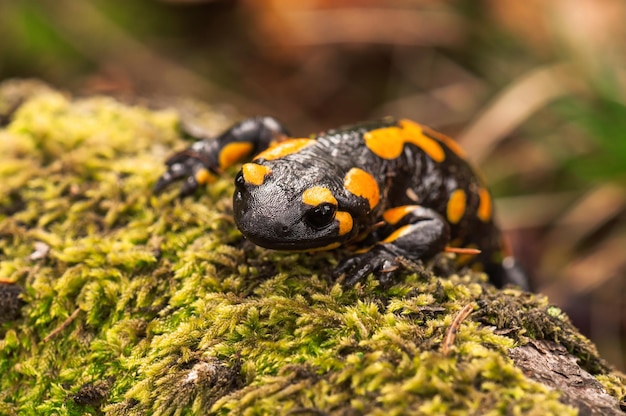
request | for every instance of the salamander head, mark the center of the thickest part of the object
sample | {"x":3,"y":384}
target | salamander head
{"x":287,"y":208}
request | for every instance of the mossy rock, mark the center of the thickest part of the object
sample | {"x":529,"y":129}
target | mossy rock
{"x":119,"y":302}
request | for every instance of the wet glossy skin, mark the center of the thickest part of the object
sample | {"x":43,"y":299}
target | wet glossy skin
{"x":395,"y":187}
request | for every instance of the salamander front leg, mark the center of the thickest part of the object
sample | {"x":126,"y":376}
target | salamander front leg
{"x":191,"y":166}
{"x":202,"y":161}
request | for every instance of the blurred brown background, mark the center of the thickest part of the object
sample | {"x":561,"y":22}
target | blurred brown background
{"x":534,"y":90}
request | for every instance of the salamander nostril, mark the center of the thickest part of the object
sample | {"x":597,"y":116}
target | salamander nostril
{"x":282,"y":230}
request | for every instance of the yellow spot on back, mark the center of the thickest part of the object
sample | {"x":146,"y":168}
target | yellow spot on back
{"x":388,"y":142}
{"x":233,"y":153}
{"x":285,"y":148}
{"x":345,"y":222}
{"x":394,"y":215}
{"x":484,"y":207}
{"x":456,"y":206}
{"x":415,"y":134}
{"x":318,"y":195}
{"x":450,"y":143}
{"x":399,"y":233}
{"x":363,"y":184}
{"x":254,"y":173}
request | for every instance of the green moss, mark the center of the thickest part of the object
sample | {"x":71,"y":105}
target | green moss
{"x":172,"y":312}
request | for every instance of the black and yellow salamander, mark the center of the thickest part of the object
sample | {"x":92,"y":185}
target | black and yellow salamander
{"x":393,"y":188}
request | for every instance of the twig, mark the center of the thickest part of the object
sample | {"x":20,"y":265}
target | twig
{"x":461,"y":250}
{"x":64,"y":325}
{"x":448,"y":340}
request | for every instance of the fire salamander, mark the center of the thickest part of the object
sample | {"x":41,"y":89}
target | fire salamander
{"x":395,"y":188}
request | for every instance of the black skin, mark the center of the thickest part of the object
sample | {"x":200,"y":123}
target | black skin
{"x":273,"y":213}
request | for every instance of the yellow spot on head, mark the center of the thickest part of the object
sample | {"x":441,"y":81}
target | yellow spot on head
{"x":203,"y":176}
{"x":285,"y":148}
{"x":318,"y":195}
{"x":456,"y":206}
{"x":394,"y":215}
{"x":484,"y":207}
{"x":233,"y":153}
{"x":363,"y":184}
{"x":254,"y":173}
{"x":345,"y":222}
{"x":388,"y":142}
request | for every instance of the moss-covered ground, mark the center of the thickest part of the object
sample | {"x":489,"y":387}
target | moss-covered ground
{"x":132,"y":304}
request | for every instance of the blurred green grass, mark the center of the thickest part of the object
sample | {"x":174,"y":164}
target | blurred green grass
{"x":535,"y":91}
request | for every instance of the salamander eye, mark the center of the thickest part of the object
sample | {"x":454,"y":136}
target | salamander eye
{"x":239,"y":180}
{"x":321,"y":215}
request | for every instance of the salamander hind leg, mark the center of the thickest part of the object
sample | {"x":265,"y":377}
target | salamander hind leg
{"x":420,"y":233}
